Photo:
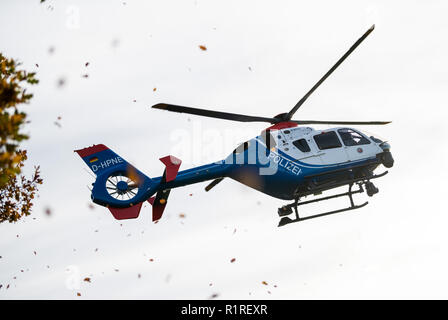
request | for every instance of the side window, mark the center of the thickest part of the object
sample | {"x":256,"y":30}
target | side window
{"x":302,"y":145}
{"x":327,"y":140}
{"x":352,"y":138}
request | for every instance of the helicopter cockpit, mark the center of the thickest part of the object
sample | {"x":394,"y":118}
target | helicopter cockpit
{"x":352,"y":138}
{"x":336,"y":145}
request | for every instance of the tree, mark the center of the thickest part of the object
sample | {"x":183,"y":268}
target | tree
{"x":16,"y":191}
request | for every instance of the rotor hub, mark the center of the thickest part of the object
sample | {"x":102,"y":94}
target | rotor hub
{"x":122,"y":186}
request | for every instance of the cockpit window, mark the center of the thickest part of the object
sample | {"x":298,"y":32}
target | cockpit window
{"x":327,"y":140}
{"x":302,"y":145}
{"x":352,"y":138}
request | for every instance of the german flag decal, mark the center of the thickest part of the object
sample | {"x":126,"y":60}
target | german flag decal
{"x":93,"y":159}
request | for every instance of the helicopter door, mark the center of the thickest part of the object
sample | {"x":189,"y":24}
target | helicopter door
{"x":330,"y":148}
{"x":356,"y":145}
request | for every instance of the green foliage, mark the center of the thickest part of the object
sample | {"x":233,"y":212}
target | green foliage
{"x":16,"y":193}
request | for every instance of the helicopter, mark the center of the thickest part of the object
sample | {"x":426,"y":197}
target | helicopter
{"x":288,"y":160}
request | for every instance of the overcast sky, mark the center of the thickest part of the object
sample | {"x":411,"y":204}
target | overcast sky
{"x":261,"y":57}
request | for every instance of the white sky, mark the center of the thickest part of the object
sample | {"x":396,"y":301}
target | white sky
{"x":393,"y":248}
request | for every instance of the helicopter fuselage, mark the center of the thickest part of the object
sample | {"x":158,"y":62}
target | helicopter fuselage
{"x":285,"y":161}
{"x":294,"y":161}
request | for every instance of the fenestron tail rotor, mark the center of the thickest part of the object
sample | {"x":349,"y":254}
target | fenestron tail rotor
{"x":283,"y":117}
{"x":121,"y":187}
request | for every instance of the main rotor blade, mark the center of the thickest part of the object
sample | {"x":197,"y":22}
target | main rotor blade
{"x":341,"y":122}
{"x":352,"y":48}
{"x":213,"y":114}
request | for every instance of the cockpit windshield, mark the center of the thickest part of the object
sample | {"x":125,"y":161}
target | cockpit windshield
{"x":352,"y":138}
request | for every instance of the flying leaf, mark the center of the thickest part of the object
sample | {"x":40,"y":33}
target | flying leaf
{"x":61,"y":82}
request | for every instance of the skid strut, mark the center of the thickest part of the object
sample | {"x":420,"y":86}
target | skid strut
{"x":285,"y":210}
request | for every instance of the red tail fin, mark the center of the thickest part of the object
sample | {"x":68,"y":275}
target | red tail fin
{"x":158,"y":202}
{"x":126,"y":213}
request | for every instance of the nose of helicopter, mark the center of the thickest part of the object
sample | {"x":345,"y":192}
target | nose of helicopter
{"x":386,"y":157}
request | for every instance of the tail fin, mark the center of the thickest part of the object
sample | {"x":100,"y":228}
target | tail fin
{"x":159,"y":201}
{"x":119,"y":186}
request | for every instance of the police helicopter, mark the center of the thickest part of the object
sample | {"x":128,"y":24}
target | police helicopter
{"x":288,"y":161}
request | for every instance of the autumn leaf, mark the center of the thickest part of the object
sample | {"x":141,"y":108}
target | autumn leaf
{"x":87,"y":279}
{"x":154,"y":89}
{"x":78,"y":294}
{"x":61,"y":82}
{"x":48,"y":211}
{"x":232,"y":260}
{"x":265,"y":283}
{"x":182,"y":215}
{"x":203,"y":48}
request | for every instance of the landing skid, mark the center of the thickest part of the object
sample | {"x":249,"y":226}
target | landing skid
{"x":286,"y":210}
